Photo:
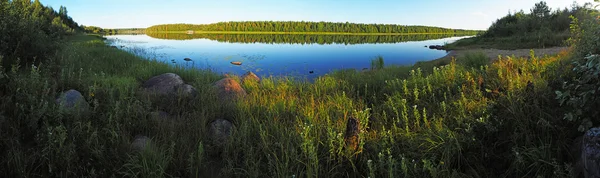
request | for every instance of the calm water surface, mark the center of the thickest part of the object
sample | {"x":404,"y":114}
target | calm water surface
{"x":303,"y":57}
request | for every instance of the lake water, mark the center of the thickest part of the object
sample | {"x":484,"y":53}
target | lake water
{"x":302,"y":56}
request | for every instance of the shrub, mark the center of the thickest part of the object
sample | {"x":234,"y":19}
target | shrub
{"x":579,"y":94}
{"x":474,"y":60}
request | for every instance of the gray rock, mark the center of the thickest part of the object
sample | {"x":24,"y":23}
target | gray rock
{"x":220,"y":130}
{"x":72,"y":102}
{"x":187,"y":90}
{"x":140,"y":143}
{"x":250,"y":76}
{"x":169,"y":84}
{"x":590,"y":155}
{"x":164,"y":84}
{"x":229,"y":89}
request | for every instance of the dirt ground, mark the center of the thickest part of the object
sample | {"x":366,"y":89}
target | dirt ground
{"x":493,"y":53}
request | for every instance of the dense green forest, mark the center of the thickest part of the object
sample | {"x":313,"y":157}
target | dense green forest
{"x":302,"y":38}
{"x":102,"y":31}
{"x":290,"y":26}
{"x":540,"y":27}
{"x":31,"y":31}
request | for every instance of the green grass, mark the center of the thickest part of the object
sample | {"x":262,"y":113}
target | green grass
{"x":448,"y":119}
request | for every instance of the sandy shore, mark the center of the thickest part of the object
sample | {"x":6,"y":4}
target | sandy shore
{"x":493,"y":53}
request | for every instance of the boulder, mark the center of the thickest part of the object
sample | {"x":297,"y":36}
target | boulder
{"x":590,"y":153}
{"x":140,"y":143}
{"x":220,"y":130}
{"x":187,"y":90}
{"x":250,"y":76}
{"x":229,"y":89}
{"x":169,"y":84}
{"x":163,"y":84}
{"x":72,"y":102}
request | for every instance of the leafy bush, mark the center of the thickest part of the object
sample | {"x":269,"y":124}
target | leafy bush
{"x":474,"y":60}
{"x":30,"y":31}
{"x":580,"y":93}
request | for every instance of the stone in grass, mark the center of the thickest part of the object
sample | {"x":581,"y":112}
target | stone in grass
{"x":352,"y":133}
{"x":590,"y":153}
{"x":186,"y":90}
{"x":169,"y":84}
{"x":250,"y":76}
{"x":228,"y":89}
{"x":72,"y":102}
{"x":220,"y":130}
{"x":140,"y":143}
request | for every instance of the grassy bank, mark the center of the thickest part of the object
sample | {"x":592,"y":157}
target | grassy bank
{"x":460,"y":119}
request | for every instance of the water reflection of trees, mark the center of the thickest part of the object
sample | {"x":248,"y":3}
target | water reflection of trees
{"x":301,"y":38}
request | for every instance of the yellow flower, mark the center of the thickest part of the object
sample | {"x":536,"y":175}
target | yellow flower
{"x":91,"y":94}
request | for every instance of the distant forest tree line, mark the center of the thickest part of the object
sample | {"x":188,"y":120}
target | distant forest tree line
{"x":31,"y":31}
{"x":290,"y":26}
{"x":99,"y":30}
{"x":302,"y":38}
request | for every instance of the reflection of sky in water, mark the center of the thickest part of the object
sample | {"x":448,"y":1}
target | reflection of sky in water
{"x":277,"y":59}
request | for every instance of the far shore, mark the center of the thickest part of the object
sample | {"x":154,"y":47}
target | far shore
{"x":309,"y":33}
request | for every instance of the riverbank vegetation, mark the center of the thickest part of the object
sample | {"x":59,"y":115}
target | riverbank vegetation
{"x":541,"y":27}
{"x":470,"y":117}
{"x":290,"y":26}
{"x":30,"y":31}
{"x":301,"y":38}
{"x":102,"y":31}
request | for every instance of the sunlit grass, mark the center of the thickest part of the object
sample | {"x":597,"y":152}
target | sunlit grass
{"x":473,"y":119}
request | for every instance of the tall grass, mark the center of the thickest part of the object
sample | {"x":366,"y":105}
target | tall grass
{"x":456,"y":121}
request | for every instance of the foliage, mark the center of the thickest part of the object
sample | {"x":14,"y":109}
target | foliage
{"x":30,"y":31}
{"x":540,"y":28}
{"x":580,"y":93}
{"x":474,"y":60}
{"x":291,"y":26}
{"x":98,"y":30}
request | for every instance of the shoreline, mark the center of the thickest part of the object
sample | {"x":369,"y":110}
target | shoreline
{"x":494,"y":53}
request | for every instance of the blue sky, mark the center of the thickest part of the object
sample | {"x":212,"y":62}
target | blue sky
{"x":464,"y":14}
